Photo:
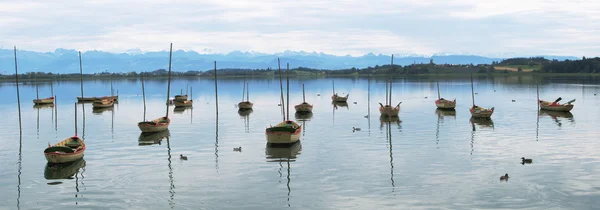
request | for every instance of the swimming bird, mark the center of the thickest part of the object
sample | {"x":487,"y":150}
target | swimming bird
{"x":237,"y":149}
{"x":183,"y":157}
{"x":425,"y":96}
{"x":513,"y":100}
{"x":504,"y":178}
{"x":355,"y":129}
{"x":594,"y":94}
{"x":524,"y":160}
{"x":278,"y":104}
{"x":366,"y":116}
{"x":355,"y":102}
{"x":318,"y":94}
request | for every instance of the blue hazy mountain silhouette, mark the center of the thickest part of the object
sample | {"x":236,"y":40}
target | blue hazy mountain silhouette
{"x":66,"y":60}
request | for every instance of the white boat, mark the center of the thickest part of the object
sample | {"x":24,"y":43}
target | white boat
{"x":286,"y":132}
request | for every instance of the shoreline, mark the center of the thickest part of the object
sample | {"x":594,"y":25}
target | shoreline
{"x":9,"y":79}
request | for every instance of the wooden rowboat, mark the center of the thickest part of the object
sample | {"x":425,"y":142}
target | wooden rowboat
{"x":480,"y":112}
{"x":156,"y":125}
{"x":49,"y":100}
{"x":67,"y":150}
{"x":550,"y":106}
{"x":336,"y":98}
{"x":286,"y":132}
{"x":389,"y":111}
{"x":303,"y":107}
{"x":245,"y":105}
{"x":185,"y":103}
{"x":181,"y":97}
{"x":106,"y":103}
{"x":445,"y":104}
{"x":86,"y":99}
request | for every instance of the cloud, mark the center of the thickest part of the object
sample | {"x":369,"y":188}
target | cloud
{"x":340,"y":27}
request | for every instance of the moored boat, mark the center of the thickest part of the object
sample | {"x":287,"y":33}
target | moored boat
{"x":445,"y":104}
{"x":49,"y":100}
{"x":245,"y":105}
{"x":337,"y":98}
{"x":186,"y":103}
{"x":65,"y":151}
{"x":103,"y":103}
{"x":180,"y":97}
{"x":86,"y":99}
{"x":304,"y":107}
{"x":389,"y":111}
{"x":286,"y":132}
{"x":161,"y":123}
{"x":480,"y":112}
{"x":477,"y":111}
{"x":156,"y":125}
{"x":555,"y":106}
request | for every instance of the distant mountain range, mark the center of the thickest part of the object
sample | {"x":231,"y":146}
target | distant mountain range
{"x":65,"y":61}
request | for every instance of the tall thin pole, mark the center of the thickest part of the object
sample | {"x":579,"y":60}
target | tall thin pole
{"x":81,"y":74}
{"x":52,"y":89}
{"x":303,"y":95}
{"x":437,"y":81}
{"x":333,"y":86}
{"x":247,"y":91}
{"x":537,"y":87}
{"x":169,"y":80}
{"x":386,"y":93}
{"x":144,"y":96}
{"x":369,"y":99}
{"x":75,"y":118}
{"x":244,"y":92}
{"x":55,"y":114}
{"x":37,"y":96}
{"x":18,"y":94}
{"x":287,"y":75}
{"x":112,"y":92}
{"x":216,"y":93}
{"x":187,"y":87}
{"x":472,"y":91}
{"x":390,"y":92}
{"x":191,"y":95}
{"x":281,"y":89}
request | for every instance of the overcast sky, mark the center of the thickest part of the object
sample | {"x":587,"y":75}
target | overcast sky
{"x":480,"y":27}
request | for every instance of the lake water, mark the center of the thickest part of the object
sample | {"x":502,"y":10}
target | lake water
{"x":427,"y":159}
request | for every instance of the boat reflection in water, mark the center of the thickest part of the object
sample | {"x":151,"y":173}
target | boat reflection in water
{"x":43,"y":106}
{"x":303,"y":116}
{"x":441,"y":113}
{"x":101,"y":110}
{"x":283,"y":155}
{"x":482,"y":122}
{"x":245,"y":112}
{"x":386,"y":119}
{"x":146,"y":139}
{"x":181,"y":109}
{"x":556,"y":116}
{"x":63,"y":170}
{"x":340,"y":104}
{"x":276,"y":153}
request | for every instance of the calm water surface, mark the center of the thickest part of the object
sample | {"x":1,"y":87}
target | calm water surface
{"x":425,"y":159}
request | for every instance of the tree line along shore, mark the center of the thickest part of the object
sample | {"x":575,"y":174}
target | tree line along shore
{"x":585,"y":66}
